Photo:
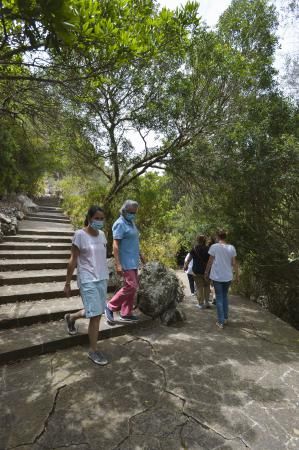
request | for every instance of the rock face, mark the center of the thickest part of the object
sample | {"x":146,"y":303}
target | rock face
{"x":27,"y":204}
{"x":12,"y":209}
{"x":8,"y":223}
{"x":160,"y":292}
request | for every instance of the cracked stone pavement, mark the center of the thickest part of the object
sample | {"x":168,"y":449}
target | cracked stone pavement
{"x":190,"y":386}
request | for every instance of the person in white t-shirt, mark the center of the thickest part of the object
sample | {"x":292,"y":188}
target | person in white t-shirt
{"x":219,"y":269}
{"x":189,"y":273}
{"x":89,"y":255}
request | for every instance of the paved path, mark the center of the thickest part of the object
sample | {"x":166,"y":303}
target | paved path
{"x":191,"y":387}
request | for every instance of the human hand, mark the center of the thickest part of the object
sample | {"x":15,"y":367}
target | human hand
{"x":119,"y":269}
{"x":67,"y":289}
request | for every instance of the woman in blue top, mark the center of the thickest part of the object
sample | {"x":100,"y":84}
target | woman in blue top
{"x":127,"y":256}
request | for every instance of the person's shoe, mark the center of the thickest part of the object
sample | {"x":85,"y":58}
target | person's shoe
{"x":219,"y":325}
{"x":70,"y":325}
{"x":200,"y":306}
{"x":128,"y":318}
{"x":192,"y":295}
{"x":207,"y":306}
{"x":109,"y":316}
{"x":214,"y":301}
{"x":98,"y":358}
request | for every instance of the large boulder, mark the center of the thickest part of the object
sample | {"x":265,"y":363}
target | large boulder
{"x":9,"y":224}
{"x":160,"y":293}
{"x":27,"y":204}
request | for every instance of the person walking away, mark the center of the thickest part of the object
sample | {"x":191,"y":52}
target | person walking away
{"x":127,"y":257}
{"x":200,"y":256}
{"x":190,"y":274}
{"x":212,"y":241}
{"x":89,"y":255}
{"x":220,"y":267}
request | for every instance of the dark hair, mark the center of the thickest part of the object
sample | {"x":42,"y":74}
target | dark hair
{"x":91,"y":212}
{"x":201,"y":239}
{"x":222,"y":234}
{"x":211,"y":241}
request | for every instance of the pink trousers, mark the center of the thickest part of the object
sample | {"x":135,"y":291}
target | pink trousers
{"x":123,"y":300}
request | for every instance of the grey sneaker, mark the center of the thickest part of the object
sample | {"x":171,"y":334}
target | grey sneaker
{"x":200,"y":306}
{"x":219,"y":325}
{"x":130,"y":318}
{"x":98,"y":358}
{"x":70,"y":325}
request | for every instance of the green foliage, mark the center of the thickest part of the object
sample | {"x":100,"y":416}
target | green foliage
{"x":23,"y":159}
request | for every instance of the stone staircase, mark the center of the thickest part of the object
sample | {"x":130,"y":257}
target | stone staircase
{"x":32,"y":274}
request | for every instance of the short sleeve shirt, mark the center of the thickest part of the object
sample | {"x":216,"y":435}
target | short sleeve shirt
{"x":200,"y":259}
{"x":222,"y":269}
{"x":128,"y":236}
{"x":92,"y":260}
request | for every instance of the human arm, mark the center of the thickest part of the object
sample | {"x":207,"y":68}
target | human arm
{"x":208,"y":267}
{"x":187,"y":261}
{"x":118,"y":266}
{"x":72,"y":264}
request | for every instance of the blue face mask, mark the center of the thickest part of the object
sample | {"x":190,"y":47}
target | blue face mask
{"x":97,"y":224}
{"x":130,"y":217}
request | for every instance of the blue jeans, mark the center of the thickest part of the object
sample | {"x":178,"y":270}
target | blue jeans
{"x":221,"y":291}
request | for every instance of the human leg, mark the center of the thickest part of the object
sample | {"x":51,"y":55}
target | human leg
{"x":225,"y":299}
{"x":206,"y":292}
{"x":199,"y":289}
{"x":131,"y":286}
{"x":124,"y":298}
{"x":219,"y":301}
{"x":70,"y":320}
{"x":191,"y":282}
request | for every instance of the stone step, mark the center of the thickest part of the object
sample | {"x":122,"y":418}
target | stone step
{"x":47,"y":201}
{"x":33,"y":246}
{"x":44,"y":219}
{"x":35,"y":254}
{"x":38,"y":238}
{"x":31,"y":292}
{"x":32,"y":276}
{"x":41,"y":338}
{"x":50,"y":209}
{"x":47,"y":232}
{"x":48,"y":215}
{"x":32,"y":264}
{"x":26,"y":313}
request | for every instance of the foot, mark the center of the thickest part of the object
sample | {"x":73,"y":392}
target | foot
{"x":70,"y":325}
{"x":98,"y":358}
{"x":192,"y":295}
{"x":219,"y":325}
{"x":214,"y":301}
{"x":109,"y":316}
{"x":130,"y":318}
{"x":207,"y":306}
{"x":200,"y":306}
